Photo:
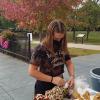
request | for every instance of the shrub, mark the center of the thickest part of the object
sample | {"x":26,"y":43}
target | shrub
{"x":7,"y":34}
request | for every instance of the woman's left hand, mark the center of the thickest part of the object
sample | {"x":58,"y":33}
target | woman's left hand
{"x":71,"y":82}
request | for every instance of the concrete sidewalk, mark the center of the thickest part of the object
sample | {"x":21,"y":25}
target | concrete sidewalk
{"x":77,"y":45}
{"x":84,"y":46}
{"x":16,"y":84}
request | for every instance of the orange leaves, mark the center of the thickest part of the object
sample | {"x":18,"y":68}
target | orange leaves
{"x":27,"y":12}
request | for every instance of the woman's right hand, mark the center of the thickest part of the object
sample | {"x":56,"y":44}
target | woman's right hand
{"x":58,"y":81}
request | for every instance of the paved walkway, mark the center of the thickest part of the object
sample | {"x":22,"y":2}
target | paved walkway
{"x":16,"y":84}
{"x":84,"y":46}
{"x":76,"y":45}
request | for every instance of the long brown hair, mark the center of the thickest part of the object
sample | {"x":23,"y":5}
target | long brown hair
{"x":59,"y":27}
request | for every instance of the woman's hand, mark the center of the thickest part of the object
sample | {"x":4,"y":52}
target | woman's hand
{"x":58,"y":81}
{"x":71,"y":82}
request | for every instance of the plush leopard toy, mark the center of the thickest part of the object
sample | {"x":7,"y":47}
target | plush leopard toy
{"x":57,"y":93}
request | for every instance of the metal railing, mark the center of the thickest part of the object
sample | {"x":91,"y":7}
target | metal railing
{"x":19,"y":47}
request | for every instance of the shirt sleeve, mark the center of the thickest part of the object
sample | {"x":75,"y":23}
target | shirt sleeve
{"x":38,"y":56}
{"x":67,"y":57}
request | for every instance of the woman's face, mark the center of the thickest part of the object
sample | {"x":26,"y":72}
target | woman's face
{"x":58,"y":36}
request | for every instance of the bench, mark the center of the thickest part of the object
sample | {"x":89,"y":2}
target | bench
{"x":81,"y":36}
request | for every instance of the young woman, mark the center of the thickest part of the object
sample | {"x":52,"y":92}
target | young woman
{"x":48,"y":59}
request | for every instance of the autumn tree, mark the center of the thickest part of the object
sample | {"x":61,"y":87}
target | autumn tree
{"x":91,"y":17}
{"x":36,"y":13}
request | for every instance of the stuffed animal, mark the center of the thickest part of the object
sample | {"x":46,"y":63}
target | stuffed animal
{"x":41,"y":97}
{"x":57,"y":93}
{"x":97,"y":96}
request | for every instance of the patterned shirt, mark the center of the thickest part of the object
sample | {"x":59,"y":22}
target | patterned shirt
{"x":48,"y":64}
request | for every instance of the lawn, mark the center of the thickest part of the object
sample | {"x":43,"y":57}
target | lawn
{"x":81,"y":52}
{"x":94,"y":37}
{"x":77,"y":51}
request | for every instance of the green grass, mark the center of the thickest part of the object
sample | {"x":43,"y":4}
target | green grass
{"x":81,"y":52}
{"x":94,"y":37}
{"x":33,"y":44}
{"x":77,"y":51}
